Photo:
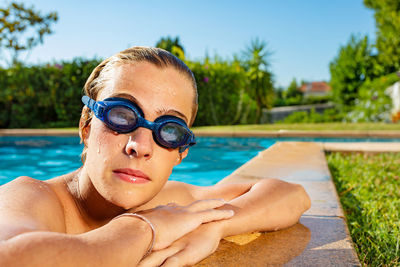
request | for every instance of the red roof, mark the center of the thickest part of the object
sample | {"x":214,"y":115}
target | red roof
{"x":315,"y":87}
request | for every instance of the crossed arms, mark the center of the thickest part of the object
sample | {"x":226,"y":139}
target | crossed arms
{"x":35,"y":235}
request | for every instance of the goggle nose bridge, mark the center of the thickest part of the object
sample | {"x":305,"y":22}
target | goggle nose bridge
{"x":142,"y":122}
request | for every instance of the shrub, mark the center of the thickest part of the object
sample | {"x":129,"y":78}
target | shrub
{"x":310,"y":100}
{"x":49,"y":95}
{"x":373,"y":104}
{"x":222,"y":96}
{"x":43,"y":96}
{"x":329,"y":115}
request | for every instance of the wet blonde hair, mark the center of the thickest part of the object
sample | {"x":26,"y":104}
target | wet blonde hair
{"x":100,"y":76}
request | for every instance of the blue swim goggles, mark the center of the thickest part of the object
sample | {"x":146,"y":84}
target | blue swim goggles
{"x":124,"y":116}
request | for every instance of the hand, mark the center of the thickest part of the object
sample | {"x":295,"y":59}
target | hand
{"x":171,"y":221}
{"x":188,"y":250}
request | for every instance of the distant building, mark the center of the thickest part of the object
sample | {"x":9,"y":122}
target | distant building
{"x":315,"y":89}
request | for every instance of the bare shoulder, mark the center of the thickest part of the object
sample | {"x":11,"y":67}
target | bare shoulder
{"x":27,"y":204}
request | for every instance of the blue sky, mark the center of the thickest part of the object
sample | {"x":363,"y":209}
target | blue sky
{"x":304,"y":35}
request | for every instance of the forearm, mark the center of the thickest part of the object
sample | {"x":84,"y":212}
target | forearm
{"x":269,"y":205}
{"x":109,"y":245}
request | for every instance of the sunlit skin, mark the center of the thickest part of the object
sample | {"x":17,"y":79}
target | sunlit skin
{"x":155,"y":91}
{"x":71,"y":222}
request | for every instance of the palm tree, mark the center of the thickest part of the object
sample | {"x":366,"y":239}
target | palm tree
{"x":257,"y":66}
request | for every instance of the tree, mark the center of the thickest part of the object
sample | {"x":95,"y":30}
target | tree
{"x":22,"y":28}
{"x":354,"y":64}
{"x":293,"y":90}
{"x":387,"y":17}
{"x":257,"y":65}
{"x":172,"y":45}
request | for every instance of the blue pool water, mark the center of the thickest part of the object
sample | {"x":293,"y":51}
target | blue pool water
{"x":209,"y":161}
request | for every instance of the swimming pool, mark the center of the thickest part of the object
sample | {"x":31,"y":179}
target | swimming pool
{"x":209,"y":161}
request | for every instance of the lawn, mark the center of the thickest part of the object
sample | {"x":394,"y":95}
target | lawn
{"x":305,"y":127}
{"x":369,"y":190}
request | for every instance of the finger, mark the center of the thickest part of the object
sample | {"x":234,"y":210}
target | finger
{"x":205,"y":204}
{"x":186,"y":257}
{"x":215,"y":215}
{"x":172,"y":262}
{"x":156,"y":258}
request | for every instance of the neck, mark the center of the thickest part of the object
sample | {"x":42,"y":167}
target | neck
{"x":94,"y":208}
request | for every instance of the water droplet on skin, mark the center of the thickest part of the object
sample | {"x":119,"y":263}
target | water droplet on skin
{"x":98,"y":146}
{"x":115,"y":133}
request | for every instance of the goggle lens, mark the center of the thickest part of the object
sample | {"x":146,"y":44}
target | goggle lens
{"x":173,"y":133}
{"x":122,"y":116}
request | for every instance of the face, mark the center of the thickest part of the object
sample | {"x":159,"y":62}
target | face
{"x":130,"y":169}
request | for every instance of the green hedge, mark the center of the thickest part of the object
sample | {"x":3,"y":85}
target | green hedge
{"x":223,"y":99}
{"x":329,"y":115}
{"x":43,"y":96}
{"x":49,"y":95}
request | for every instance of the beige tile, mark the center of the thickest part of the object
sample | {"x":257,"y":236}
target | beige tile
{"x":320,"y":239}
{"x":364,"y":147}
{"x":315,"y":241}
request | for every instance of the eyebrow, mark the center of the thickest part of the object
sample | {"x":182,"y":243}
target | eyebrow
{"x":159,"y":112}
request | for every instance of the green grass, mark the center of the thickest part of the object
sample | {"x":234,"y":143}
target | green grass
{"x":304,"y":127}
{"x":369,"y":190}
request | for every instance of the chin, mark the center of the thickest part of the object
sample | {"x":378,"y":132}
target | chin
{"x":131,"y":200}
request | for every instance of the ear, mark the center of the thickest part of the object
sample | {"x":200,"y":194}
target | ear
{"x":85,"y":133}
{"x":181,"y":156}
{"x":84,"y":128}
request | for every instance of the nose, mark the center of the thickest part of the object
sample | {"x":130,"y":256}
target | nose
{"x":140,"y":143}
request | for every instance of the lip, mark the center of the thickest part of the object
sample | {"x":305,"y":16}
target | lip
{"x":132,"y":176}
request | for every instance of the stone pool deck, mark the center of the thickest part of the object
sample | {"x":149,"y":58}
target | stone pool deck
{"x":321,"y":237}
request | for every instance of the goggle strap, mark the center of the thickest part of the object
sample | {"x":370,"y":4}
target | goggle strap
{"x":183,"y":148}
{"x":90,"y":103}
{"x":191,"y":143}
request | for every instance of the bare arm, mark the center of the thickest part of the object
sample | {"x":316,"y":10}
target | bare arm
{"x":267,"y":205}
{"x":32,"y":230}
{"x":110,"y":245}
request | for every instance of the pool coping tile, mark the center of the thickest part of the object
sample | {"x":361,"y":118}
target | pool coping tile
{"x":321,"y":238}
